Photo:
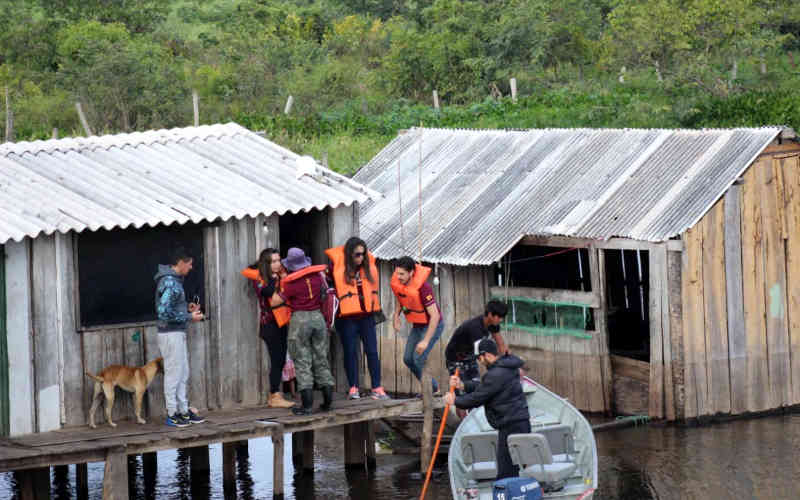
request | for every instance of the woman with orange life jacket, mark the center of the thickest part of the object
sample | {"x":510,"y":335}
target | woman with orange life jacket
{"x":272,"y":320}
{"x":416,"y":301}
{"x":303,"y":290}
{"x":355,"y":276}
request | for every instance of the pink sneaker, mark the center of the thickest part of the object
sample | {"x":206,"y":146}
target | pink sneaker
{"x":379,"y":393}
{"x":353,"y":394}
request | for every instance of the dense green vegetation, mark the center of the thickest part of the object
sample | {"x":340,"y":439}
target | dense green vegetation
{"x":360,"y":70}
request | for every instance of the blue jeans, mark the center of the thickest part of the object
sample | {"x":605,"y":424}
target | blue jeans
{"x":350,"y":330}
{"x":416,"y":362}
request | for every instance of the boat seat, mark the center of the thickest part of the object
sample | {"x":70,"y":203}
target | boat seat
{"x":532,"y":453}
{"x":561,"y":442}
{"x":478,"y":452}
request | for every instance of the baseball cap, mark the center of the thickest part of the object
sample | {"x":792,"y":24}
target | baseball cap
{"x":484,"y":346}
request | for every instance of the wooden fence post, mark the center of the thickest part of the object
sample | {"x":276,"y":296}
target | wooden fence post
{"x":436,"y":100}
{"x":82,"y":116}
{"x":196,"y":107}
{"x":9,"y":118}
{"x":513,"y":83}
{"x":288,"y":108}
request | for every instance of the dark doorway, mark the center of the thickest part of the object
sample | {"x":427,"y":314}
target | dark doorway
{"x":627,"y":290}
{"x":308,"y":231}
{"x":546,"y":267}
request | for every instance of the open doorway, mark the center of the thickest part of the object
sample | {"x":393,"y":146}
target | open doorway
{"x":627,"y":292}
{"x":307,"y":231}
{"x":628,"y":323}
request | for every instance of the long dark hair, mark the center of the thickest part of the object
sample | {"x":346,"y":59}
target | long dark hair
{"x":263,"y":263}
{"x":349,"y":266}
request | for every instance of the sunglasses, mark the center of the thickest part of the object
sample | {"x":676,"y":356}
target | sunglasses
{"x":358,"y":254}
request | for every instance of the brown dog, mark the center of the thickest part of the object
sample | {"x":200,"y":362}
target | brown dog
{"x":131,"y":379}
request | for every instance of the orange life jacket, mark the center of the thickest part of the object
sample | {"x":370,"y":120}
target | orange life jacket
{"x":281,"y":311}
{"x":408,"y":295}
{"x":349,"y":303}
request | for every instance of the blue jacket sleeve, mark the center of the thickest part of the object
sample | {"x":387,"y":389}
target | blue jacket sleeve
{"x":166,"y":306}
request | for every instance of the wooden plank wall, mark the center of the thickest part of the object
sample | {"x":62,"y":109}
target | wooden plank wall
{"x":472,"y":286}
{"x":572,"y":367}
{"x":228,"y":361}
{"x":741,"y":295}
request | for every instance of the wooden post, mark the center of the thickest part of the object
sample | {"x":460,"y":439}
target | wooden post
{"x":34,"y":484}
{"x":308,"y":450}
{"x":370,"y":445}
{"x":277,"y":464}
{"x":115,"y":478}
{"x":229,"y":469}
{"x":82,"y":116}
{"x":196,"y":107}
{"x":288,"y":108}
{"x":436,"y":100}
{"x":82,"y":481}
{"x":425,"y":448}
{"x":55,"y":132}
{"x":199,"y":460}
{"x":242,"y":448}
{"x":513,"y":83}
{"x":356,"y":437}
{"x":297,"y":449}
{"x":9,"y":118}
{"x":149,"y":466}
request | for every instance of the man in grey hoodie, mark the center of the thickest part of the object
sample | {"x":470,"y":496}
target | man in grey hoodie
{"x":174,"y":315}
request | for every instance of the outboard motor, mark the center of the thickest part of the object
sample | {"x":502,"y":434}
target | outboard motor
{"x":517,"y":488}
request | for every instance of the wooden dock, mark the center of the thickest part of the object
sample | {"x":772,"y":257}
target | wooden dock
{"x":33,"y":454}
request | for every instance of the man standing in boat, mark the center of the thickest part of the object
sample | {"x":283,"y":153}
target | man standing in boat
{"x":500,"y":393}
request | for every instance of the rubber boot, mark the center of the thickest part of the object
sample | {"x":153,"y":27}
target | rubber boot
{"x":307,"y":395}
{"x":327,"y":398}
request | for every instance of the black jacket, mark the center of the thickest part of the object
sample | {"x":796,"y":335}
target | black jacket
{"x":500,"y":392}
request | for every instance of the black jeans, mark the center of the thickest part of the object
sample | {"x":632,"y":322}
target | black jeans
{"x":275,"y":338}
{"x":505,"y":467}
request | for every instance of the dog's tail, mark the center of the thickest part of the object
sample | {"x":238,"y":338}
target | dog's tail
{"x":94,"y":377}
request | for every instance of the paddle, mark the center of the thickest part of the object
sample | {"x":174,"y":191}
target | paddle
{"x":436,"y":448}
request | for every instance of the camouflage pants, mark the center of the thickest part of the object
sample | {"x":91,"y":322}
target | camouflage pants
{"x":308,"y":346}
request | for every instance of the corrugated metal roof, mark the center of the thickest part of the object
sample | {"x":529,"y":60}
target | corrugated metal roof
{"x":483,"y":190}
{"x":180,"y":175}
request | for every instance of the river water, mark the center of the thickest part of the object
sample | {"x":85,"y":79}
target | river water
{"x":743,"y":459}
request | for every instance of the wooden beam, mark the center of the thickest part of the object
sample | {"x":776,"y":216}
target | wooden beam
{"x":354,"y":439}
{"x":658,"y":265}
{"x":34,"y":484}
{"x":676,"y":334}
{"x":597,"y":274}
{"x":115,"y":478}
{"x":149,"y":466}
{"x":589,"y":299}
{"x":277,"y":465}
{"x":610,"y":244}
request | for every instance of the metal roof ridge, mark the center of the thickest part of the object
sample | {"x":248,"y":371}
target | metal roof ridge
{"x":134,"y":139}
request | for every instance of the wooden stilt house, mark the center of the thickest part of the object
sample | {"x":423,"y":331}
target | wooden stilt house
{"x":84,"y":223}
{"x":650,"y":272}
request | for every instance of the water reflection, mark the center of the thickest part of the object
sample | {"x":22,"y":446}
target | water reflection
{"x":742,"y":459}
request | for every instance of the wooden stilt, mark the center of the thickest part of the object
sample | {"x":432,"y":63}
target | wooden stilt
{"x":34,"y":484}
{"x":370,"y":445}
{"x":82,"y":481}
{"x":297,"y":449}
{"x":308,"y":450}
{"x":242,"y":449}
{"x":277,"y":467}
{"x":115,"y":478}
{"x":354,"y":441}
{"x":149,"y":464}
{"x":199,"y":459}
{"x":229,"y":468}
{"x":425,"y":449}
